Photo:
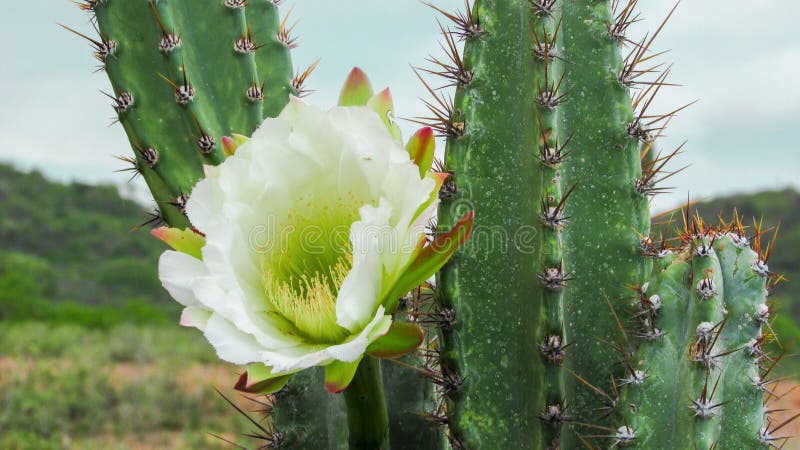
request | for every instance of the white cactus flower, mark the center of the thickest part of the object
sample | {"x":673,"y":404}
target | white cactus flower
{"x":306,"y":238}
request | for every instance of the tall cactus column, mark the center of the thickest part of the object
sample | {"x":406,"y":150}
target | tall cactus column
{"x":606,"y":211}
{"x":493,"y":370}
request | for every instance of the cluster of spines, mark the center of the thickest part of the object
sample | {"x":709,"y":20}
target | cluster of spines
{"x":184,"y":77}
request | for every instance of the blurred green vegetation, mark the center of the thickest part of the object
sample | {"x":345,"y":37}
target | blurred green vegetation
{"x":67,"y":245}
{"x":63,"y":386}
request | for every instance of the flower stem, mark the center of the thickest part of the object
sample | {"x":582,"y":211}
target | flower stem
{"x":367,"y":417}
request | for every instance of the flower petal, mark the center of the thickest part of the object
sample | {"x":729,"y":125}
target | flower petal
{"x":357,"y":90}
{"x":402,"y":338}
{"x":177,"y":272}
{"x":383,"y":105}
{"x":421,"y":147}
{"x":187,"y":241}
{"x":359,"y":294}
{"x":259,"y":379}
{"x":305,"y":356}
{"x":195,"y":317}
{"x":231,"y":344}
{"x":430,"y":259}
{"x":338,"y":375}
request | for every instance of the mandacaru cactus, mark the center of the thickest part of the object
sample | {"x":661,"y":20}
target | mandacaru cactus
{"x":562,"y":323}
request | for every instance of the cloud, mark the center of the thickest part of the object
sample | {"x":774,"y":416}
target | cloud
{"x":741,"y":61}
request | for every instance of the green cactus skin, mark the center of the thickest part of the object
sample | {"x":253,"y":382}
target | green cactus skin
{"x":491,"y":365}
{"x":605,"y":212}
{"x":409,"y":394}
{"x":665,"y":384}
{"x":307,"y":416}
{"x":231,"y":56}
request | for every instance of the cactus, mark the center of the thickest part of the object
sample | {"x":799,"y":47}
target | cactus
{"x":535,"y":340}
{"x":701,"y":321}
{"x":585,"y":151}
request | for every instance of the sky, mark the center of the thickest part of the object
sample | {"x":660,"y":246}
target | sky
{"x":740,"y":59}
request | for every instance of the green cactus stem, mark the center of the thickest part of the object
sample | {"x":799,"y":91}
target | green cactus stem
{"x":607,"y":211}
{"x":492,"y":370}
{"x":695,"y":380}
{"x":367,"y":417}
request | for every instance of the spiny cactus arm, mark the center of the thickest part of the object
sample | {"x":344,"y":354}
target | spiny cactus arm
{"x":601,"y":246}
{"x":491,"y":371}
{"x":743,"y":414}
{"x":133,"y":67}
{"x":273,"y":58}
{"x":655,"y":382}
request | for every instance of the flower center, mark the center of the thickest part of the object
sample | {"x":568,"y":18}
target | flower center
{"x":308,"y":300}
{"x":301,"y":278}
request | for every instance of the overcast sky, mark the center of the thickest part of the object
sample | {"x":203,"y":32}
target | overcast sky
{"x":741,"y":59}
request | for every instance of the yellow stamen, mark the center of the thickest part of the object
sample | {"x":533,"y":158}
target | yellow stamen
{"x":309,"y":300}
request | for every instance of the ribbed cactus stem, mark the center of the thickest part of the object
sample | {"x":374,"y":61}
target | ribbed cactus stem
{"x":601,"y":247}
{"x":719,"y":284}
{"x":220,"y":105}
{"x":164,"y":149}
{"x":553,"y":273}
{"x":491,"y":366}
{"x":706,"y":350}
{"x":656,"y":379}
{"x":745,"y":277}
